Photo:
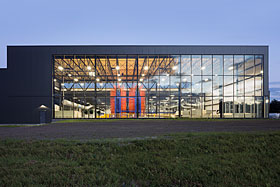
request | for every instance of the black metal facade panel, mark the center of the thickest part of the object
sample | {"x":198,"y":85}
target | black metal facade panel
{"x":27,"y":83}
{"x":145,"y":50}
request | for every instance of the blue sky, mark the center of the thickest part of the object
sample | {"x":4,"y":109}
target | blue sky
{"x":186,"y":22}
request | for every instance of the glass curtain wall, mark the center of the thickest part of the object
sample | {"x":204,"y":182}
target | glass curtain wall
{"x":158,"y":86}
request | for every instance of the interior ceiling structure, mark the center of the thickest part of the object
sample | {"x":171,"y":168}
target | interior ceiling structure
{"x":112,"y":68}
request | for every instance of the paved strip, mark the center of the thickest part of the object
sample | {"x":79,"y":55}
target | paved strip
{"x":133,"y":128}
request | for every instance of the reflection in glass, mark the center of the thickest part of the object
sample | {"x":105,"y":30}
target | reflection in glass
{"x":174,"y":65}
{"x":249,"y":107}
{"x":217,"y":65}
{"x":196,"y":65}
{"x":258,"y":86}
{"x":218,"y":85}
{"x":228,"y":86}
{"x":258,"y":64}
{"x":206,"y":65}
{"x":218,"y":107}
{"x":239,"y":65}
{"x":228,"y":65}
{"x":196,"y":85}
{"x":239,"y":86}
{"x":158,"y":86}
{"x":186,"y":106}
{"x":175,"y":85}
{"x":186,"y":86}
{"x":249,"y":65}
{"x":249,"y":85}
{"x":207,"y":107}
{"x":186,"y":65}
{"x":238,"y":107}
{"x":259,"y":103}
{"x":197,"y":104}
{"x":228,"y":107}
{"x":207,"y":85}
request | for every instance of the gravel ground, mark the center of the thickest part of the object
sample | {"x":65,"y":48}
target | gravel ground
{"x":133,"y":128}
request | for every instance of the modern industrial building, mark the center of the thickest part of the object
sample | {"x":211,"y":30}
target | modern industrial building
{"x":42,"y":83}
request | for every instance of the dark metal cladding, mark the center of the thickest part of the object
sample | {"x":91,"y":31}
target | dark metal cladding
{"x":26,"y":84}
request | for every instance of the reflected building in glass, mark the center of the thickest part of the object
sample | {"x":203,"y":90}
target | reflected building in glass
{"x":152,"y":81}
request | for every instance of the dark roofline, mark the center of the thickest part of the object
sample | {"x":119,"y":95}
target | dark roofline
{"x":137,"y":45}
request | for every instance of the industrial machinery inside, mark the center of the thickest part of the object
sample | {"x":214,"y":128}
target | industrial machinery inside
{"x":158,"y":86}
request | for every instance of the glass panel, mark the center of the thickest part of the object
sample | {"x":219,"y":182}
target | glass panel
{"x":206,"y":65}
{"x":143,"y":66}
{"x":110,"y":86}
{"x":89,"y":110}
{"x":249,"y":107}
{"x":228,"y":65}
{"x":259,"y":107}
{"x":174,"y":106}
{"x":228,"y":86}
{"x":186,"y":107}
{"x":174,"y":86}
{"x":100,"y":111}
{"x":217,"y":65}
{"x":228,"y":107}
{"x":58,"y":107}
{"x":196,"y":65}
{"x":239,"y":65}
{"x":164,"y":104}
{"x":249,"y":65}
{"x":197,"y":104}
{"x":217,"y":107}
{"x":78,"y":107}
{"x":238,"y":107}
{"x":153,"y":68}
{"x":196,"y":85}
{"x":207,"y":107}
{"x":218,"y":85}
{"x":153,"y":107}
{"x":174,"y":65}
{"x":154,"y":86}
{"x":207,"y":85}
{"x":164,"y":86}
{"x":68,"y":107}
{"x":142,"y":107}
{"x":249,"y":85}
{"x":266,"y":107}
{"x":258,"y":86}
{"x":164,"y":65}
{"x":239,"y":85}
{"x":186,"y":64}
{"x":258,"y":64}
{"x":186,"y":86}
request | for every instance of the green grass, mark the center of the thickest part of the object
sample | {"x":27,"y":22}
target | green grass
{"x":184,"y":159}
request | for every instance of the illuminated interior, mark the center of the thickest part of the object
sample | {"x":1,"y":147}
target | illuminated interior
{"x":158,"y":86}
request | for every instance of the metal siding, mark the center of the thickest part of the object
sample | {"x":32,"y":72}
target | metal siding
{"x":27,"y":83}
{"x":266,"y":73}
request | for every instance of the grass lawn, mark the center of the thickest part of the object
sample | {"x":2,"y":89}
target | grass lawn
{"x":189,"y":159}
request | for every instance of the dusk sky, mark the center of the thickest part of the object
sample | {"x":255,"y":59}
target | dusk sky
{"x":197,"y":22}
